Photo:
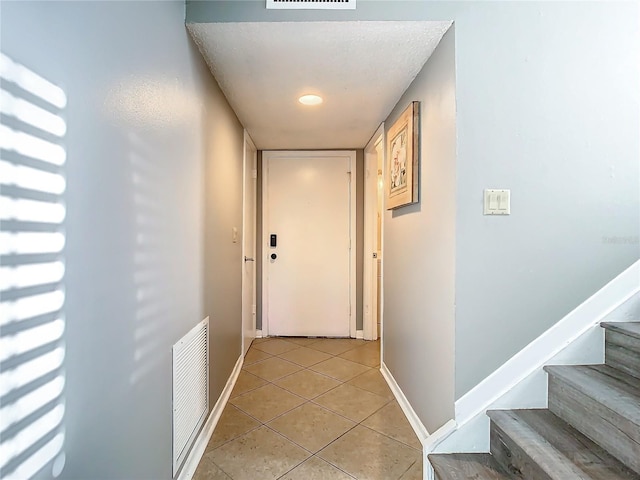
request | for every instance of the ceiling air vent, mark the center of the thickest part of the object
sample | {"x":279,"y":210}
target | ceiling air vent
{"x":312,"y":4}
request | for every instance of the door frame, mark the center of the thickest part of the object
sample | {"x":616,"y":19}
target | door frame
{"x":249,"y":147}
{"x":370,"y":209}
{"x":266,"y":155}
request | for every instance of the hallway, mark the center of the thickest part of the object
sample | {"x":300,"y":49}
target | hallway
{"x":312,"y":408}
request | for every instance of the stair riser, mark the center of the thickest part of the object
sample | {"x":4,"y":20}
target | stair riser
{"x":613,"y":432}
{"x":622,"y":352}
{"x":464,"y":466}
{"x":512,"y":458}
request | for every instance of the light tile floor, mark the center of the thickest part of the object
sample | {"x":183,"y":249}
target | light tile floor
{"x":312,"y":409}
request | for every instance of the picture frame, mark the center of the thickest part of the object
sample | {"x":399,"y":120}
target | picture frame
{"x":403,"y":165}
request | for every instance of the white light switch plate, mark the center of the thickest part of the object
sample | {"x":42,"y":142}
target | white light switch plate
{"x":497,"y":201}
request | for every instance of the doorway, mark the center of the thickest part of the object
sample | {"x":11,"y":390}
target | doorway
{"x":372,"y":257}
{"x":250,"y":175}
{"x":308,"y":263}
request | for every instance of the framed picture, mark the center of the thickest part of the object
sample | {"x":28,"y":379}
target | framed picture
{"x":403,"y":169}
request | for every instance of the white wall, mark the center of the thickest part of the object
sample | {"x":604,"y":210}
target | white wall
{"x":151,"y":149}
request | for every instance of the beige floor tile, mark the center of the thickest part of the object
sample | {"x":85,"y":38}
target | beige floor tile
{"x":311,"y":426}
{"x":414,"y":472}
{"x":304,"y":341}
{"x":254,"y":355}
{"x":351,"y":402}
{"x":272,"y":368}
{"x":305,"y":356}
{"x":369,"y":356}
{"x":208,"y":470}
{"x":266,"y":403}
{"x":307,"y":384}
{"x":339,"y":368}
{"x":246,"y":382}
{"x":261,"y":454}
{"x":276,"y":346}
{"x":316,"y":469}
{"x":391,"y":421}
{"x":336,"y":346}
{"x":374,"y":382}
{"x":363,"y":453}
{"x":232,"y":423}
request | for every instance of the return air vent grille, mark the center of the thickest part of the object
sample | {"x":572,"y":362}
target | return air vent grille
{"x":190,"y":389}
{"x":312,"y":4}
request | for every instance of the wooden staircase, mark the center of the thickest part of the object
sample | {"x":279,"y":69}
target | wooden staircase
{"x":591,"y":429}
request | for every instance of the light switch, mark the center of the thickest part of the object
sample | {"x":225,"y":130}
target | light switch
{"x":497,"y":202}
{"x":234,"y":235}
{"x":493,"y":201}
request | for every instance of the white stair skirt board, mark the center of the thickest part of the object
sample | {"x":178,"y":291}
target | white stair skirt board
{"x":430,"y":444}
{"x":200,"y":444}
{"x":521,"y":382}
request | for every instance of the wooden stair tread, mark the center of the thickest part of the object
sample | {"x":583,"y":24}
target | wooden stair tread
{"x":616,"y":390}
{"x":556,"y":447}
{"x":628,"y":328}
{"x":601,"y":402}
{"x":466,"y":466}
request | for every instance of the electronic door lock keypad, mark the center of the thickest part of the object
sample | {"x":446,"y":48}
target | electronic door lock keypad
{"x":273,"y":240}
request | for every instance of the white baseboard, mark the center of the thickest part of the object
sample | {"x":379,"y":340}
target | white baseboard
{"x":200,"y":444}
{"x":360,"y":334}
{"x":258,"y":333}
{"x":549,"y":344}
{"x":429,"y":442}
{"x":419,"y":429}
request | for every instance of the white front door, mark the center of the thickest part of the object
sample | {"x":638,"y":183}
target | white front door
{"x":249,"y":245}
{"x":308,"y":223}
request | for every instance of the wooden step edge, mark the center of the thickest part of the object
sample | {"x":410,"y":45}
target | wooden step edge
{"x":525,"y":452}
{"x":463,"y":466}
{"x":605,"y":415}
{"x":555,"y":446}
{"x":628,"y":328}
{"x":591,"y":381}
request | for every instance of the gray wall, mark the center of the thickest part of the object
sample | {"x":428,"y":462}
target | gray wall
{"x":419,"y":251}
{"x":548,"y":108}
{"x":546,"y":105}
{"x":222,"y":259}
{"x":152,"y":151}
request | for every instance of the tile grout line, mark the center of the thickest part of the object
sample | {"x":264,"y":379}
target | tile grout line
{"x":312,"y":401}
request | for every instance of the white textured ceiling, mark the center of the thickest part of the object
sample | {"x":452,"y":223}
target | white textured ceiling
{"x":360,"y":69}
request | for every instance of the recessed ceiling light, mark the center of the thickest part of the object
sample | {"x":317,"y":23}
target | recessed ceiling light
{"x":310,"y":100}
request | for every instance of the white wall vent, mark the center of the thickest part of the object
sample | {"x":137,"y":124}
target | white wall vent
{"x":190,"y":389}
{"x":312,"y":4}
